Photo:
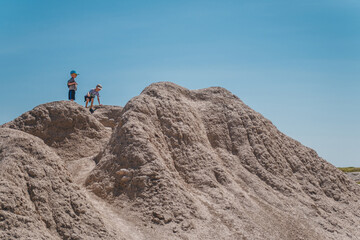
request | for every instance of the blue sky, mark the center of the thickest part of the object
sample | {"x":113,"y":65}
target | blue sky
{"x":296,"y":62}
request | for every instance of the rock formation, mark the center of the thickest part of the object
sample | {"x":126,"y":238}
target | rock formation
{"x":38,"y":199}
{"x":108,"y":115}
{"x":354,"y":176}
{"x":179,"y":164}
{"x":202,"y":162}
{"x":67,"y":127}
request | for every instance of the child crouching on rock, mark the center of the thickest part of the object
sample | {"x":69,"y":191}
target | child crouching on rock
{"x":91,"y":95}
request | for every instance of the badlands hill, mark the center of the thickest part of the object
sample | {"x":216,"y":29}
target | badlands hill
{"x":172,"y":164}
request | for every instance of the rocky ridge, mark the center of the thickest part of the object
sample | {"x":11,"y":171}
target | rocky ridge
{"x":202,"y":162}
{"x":173,"y":163}
{"x":66,"y":127}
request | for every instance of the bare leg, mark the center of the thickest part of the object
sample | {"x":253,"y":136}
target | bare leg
{"x":92,"y":102}
{"x":87,"y":101}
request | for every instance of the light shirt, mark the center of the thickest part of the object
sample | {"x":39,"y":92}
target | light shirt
{"x":94,"y":93}
{"x":72,"y":87}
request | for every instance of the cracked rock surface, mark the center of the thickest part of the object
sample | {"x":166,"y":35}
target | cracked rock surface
{"x":202,"y":164}
{"x":65,"y":126}
{"x":38,"y":198}
{"x":172,"y":164}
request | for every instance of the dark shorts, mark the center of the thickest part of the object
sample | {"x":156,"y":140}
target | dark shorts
{"x":71,"y":94}
{"x":87,"y":97}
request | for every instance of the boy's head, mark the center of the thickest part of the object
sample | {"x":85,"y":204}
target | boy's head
{"x":73,"y":74}
{"x":98,"y":87}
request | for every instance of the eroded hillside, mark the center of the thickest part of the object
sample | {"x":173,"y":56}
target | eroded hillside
{"x":180,"y":164}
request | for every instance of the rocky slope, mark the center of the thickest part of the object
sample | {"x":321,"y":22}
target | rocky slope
{"x":38,"y":198}
{"x":354,"y":176}
{"x":179,"y":164}
{"x":109,"y":116}
{"x":201,"y":164}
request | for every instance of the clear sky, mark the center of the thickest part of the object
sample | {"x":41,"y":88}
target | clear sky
{"x":296,"y":62}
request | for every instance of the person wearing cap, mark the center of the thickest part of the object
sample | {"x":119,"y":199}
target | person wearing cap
{"x":89,"y":97}
{"x":72,"y":85}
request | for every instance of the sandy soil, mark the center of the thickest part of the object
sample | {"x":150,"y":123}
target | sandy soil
{"x":114,"y":221}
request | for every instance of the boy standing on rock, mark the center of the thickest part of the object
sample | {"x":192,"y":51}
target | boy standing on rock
{"x":72,"y":85}
{"x":91,"y":95}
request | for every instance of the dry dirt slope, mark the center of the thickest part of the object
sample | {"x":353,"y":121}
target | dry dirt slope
{"x":179,"y":164}
{"x":37,"y":196}
{"x":202,"y":164}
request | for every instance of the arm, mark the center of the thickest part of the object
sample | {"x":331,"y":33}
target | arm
{"x":98,"y":100}
{"x":72,"y":83}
